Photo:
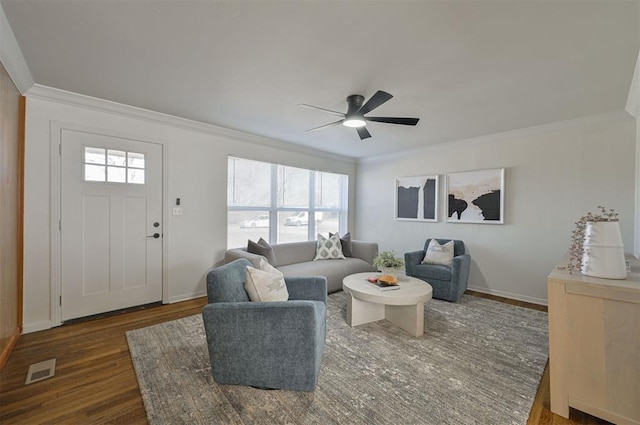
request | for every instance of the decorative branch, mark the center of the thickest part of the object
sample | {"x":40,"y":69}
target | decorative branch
{"x":576,"y":249}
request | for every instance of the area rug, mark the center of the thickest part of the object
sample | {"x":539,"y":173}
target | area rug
{"x":478,"y":362}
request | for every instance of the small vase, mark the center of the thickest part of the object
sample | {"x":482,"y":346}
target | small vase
{"x":603,"y":251}
{"x":391,"y":271}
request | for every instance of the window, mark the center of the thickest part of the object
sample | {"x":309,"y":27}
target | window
{"x":282,"y":204}
{"x":113,"y":166}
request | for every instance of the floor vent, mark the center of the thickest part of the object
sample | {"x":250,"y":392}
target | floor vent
{"x":39,"y":371}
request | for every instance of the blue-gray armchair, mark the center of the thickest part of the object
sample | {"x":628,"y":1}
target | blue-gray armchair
{"x":276,"y":345}
{"x":449,"y":283}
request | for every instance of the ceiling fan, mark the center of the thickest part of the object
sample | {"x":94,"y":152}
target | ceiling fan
{"x":355,"y":118}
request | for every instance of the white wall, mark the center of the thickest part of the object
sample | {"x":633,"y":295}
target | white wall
{"x":197,"y":173}
{"x":633,"y":108}
{"x":554,"y":174}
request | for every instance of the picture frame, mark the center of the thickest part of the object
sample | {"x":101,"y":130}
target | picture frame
{"x":416,"y":198}
{"x":476,"y":197}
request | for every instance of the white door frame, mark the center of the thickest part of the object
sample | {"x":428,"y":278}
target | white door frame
{"x":56,"y":128}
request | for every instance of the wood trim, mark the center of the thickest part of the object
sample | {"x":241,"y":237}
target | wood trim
{"x":4,"y":356}
{"x":20,"y":247}
{"x":511,"y":301}
{"x":12,"y":116}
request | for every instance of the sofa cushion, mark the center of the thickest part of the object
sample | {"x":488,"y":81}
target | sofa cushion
{"x":439,"y":254}
{"x":264,"y":285}
{"x":263,"y":248}
{"x":333,"y":270}
{"x":296,"y":259}
{"x":432,"y":271}
{"x":329,"y":249}
{"x":294,"y":252}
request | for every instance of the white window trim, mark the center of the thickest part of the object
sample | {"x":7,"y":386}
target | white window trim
{"x":272,"y":210}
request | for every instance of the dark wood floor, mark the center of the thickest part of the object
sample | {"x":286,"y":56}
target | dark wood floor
{"x":95,"y":382}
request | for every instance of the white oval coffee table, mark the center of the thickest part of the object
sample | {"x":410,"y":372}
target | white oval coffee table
{"x":404,"y":307}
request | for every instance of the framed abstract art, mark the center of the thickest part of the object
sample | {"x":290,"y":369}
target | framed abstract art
{"x":417,"y":198}
{"x":476,"y":197}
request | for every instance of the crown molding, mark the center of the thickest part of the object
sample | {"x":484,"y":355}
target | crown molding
{"x":11,"y":56}
{"x":511,"y":134}
{"x":88,"y":102}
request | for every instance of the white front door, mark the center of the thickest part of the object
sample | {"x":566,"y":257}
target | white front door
{"x":111,"y":223}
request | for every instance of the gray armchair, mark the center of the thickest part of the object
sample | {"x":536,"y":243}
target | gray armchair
{"x":449,"y":283}
{"x":264,"y":344}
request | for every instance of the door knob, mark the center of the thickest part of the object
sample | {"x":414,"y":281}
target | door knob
{"x":155,"y":236}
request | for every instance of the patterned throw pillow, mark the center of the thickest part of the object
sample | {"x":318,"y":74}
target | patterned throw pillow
{"x":345,"y":241}
{"x":439,"y":254}
{"x":329,"y":249}
{"x":264,"y":285}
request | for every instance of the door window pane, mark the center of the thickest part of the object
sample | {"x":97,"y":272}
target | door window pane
{"x":116,"y":158}
{"x":135,"y":176}
{"x":135,"y":160}
{"x":122,"y":166}
{"x":94,"y":173}
{"x":116,"y":175}
{"x":94,"y":155}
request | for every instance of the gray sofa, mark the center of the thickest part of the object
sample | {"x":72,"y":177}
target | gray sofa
{"x":296,"y":259}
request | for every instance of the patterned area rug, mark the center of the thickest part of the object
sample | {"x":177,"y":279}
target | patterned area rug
{"x":478,"y":362}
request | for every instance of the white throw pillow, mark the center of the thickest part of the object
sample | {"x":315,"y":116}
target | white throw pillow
{"x":439,"y":254}
{"x":329,"y":249}
{"x":265,"y":286}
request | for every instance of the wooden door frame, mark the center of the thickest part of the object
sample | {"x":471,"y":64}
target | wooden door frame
{"x":56,"y":129}
{"x":6,"y":352}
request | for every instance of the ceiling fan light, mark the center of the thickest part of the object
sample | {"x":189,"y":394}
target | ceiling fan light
{"x":354,"y":122}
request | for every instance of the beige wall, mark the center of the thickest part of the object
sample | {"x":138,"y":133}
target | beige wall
{"x":10,"y":219}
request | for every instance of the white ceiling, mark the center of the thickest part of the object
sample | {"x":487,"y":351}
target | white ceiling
{"x":465,"y":68}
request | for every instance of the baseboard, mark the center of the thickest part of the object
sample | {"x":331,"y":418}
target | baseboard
{"x":187,"y":297}
{"x":4,"y":356}
{"x":38,"y":326}
{"x":533,"y":300}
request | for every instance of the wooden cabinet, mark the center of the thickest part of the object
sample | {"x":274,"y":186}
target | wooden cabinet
{"x":594,"y":345}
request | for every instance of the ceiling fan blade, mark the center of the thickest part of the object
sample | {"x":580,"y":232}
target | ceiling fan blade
{"x":393,"y":120}
{"x":325,"y":126}
{"x":340,"y":114}
{"x":376,"y":100}
{"x":363,"y":133}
